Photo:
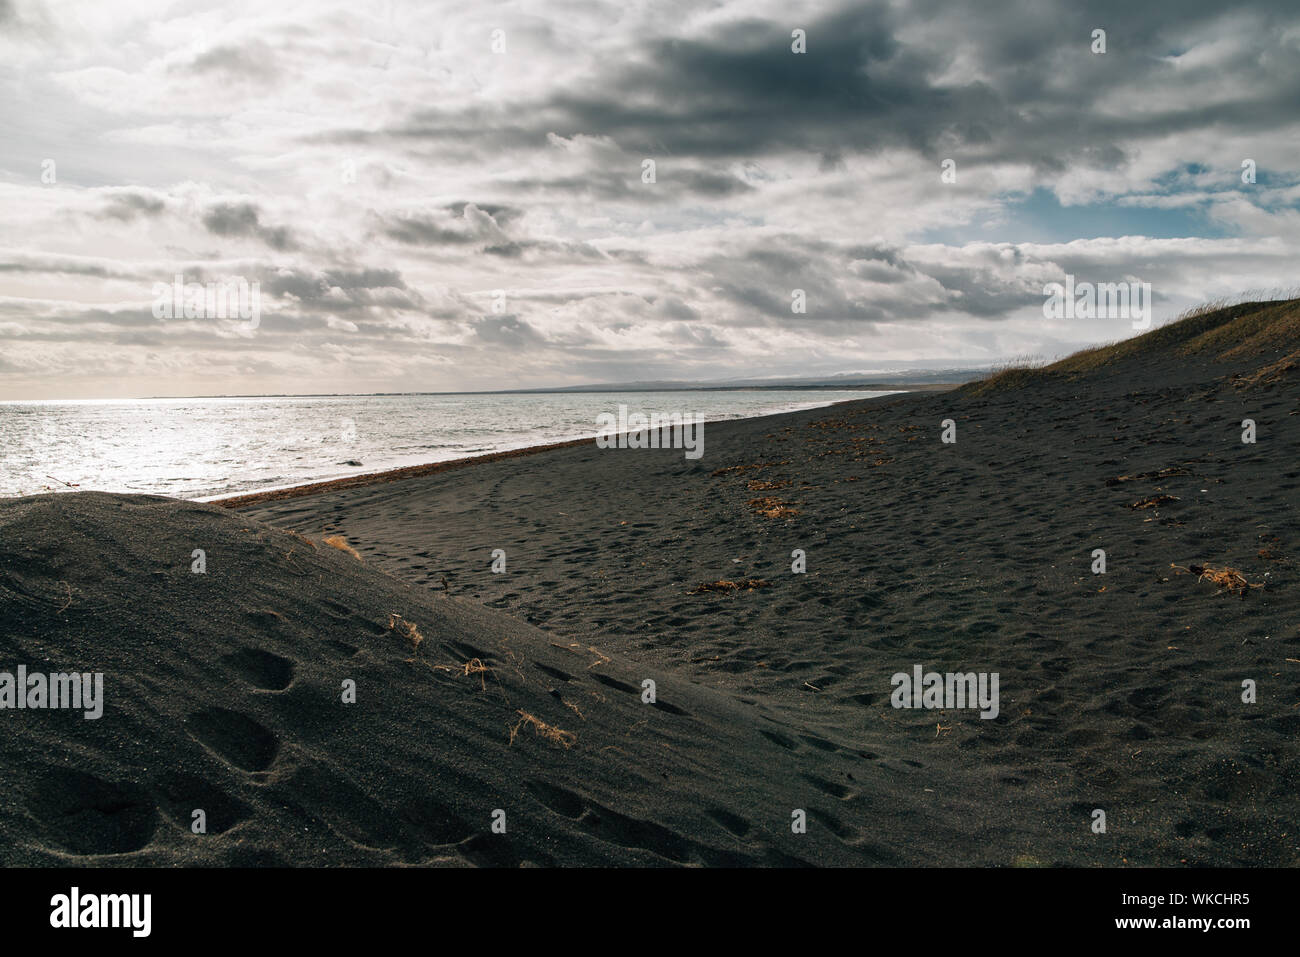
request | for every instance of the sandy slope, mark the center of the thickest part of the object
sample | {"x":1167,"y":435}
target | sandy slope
{"x":223,"y":692}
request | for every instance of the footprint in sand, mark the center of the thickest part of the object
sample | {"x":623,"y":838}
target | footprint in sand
{"x":91,"y":815}
{"x":261,"y":669}
{"x":234,"y":737}
{"x":182,"y":794}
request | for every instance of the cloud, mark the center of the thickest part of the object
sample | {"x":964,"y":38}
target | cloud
{"x":507,"y":331}
{"x":127,"y":205}
{"x":244,"y":219}
{"x":383,"y":174}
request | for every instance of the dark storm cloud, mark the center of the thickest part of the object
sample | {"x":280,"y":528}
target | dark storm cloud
{"x":244,"y":220}
{"x":740,"y":92}
{"x":129,"y":205}
{"x":342,"y":292}
{"x":982,"y":292}
{"x":455,"y":224}
{"x":365,"y":278}
{"x":708,"y":184}
{"x":671,"y":307}
{"x":545,"y":250}
{"x":763,"y":278}
{"x":623,"y":183}
{"x":425,"y":231}
{"x":501,"y":214}
{"x":1047,"y":83}
{"x":744,"y":92}
{"x":64,"y":266}
{"x":467,"y":224}
{"x":80,"y":325}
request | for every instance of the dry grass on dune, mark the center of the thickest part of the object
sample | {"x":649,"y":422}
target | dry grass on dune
{"x":1271,"y":373}
{"x":475,"y":666}
{"x":1009,"y":374}
{"x":408,"y":630}
{"x":341,"y":543}
{"x":547,"y":732}
{"x":1221,"y":331}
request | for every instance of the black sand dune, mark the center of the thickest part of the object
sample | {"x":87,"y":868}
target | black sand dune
{"x":223,"y":692}
{"x":1119,"y":691}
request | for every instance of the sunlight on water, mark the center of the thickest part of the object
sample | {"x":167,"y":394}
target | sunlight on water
{"x":195,"y":448}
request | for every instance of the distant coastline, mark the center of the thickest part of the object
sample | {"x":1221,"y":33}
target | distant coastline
{"x":898,"y":386}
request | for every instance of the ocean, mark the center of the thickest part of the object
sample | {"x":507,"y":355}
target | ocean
{"x":211,"y":447}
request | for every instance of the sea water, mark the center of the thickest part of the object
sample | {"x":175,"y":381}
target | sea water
{"x":208,"y":447}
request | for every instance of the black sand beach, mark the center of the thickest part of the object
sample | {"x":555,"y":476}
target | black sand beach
{"x":1119,"y":691}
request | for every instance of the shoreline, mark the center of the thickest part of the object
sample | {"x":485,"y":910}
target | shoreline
{"x":829,"y":387}
{"x":240,"y":500}
{"x":384,"y":476}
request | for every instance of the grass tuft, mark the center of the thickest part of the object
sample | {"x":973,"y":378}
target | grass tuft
{"x":547,"y":732}
{"x":475,"y":666}
{"x":408,"y":630}
{"x":341,"y":543}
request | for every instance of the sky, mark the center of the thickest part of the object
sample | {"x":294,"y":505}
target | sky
{"x":446,"y":196}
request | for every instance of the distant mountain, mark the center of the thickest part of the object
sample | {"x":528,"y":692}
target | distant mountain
{"x":886,"y":380}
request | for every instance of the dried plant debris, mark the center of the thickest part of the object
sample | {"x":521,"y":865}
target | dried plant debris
{"x":771,"y":506}
{"x":727,"y":587}
{"x":1155,"y":501}
{"x":341,"y":543}
{"x":745,"y":468}
{"x":1228,"y":578}
{"x":758,"y":485}
{"x":1168,"y":472}
{"x":406,"y":629}
{"x":475,"y":666}
{"x":547,"y":732}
